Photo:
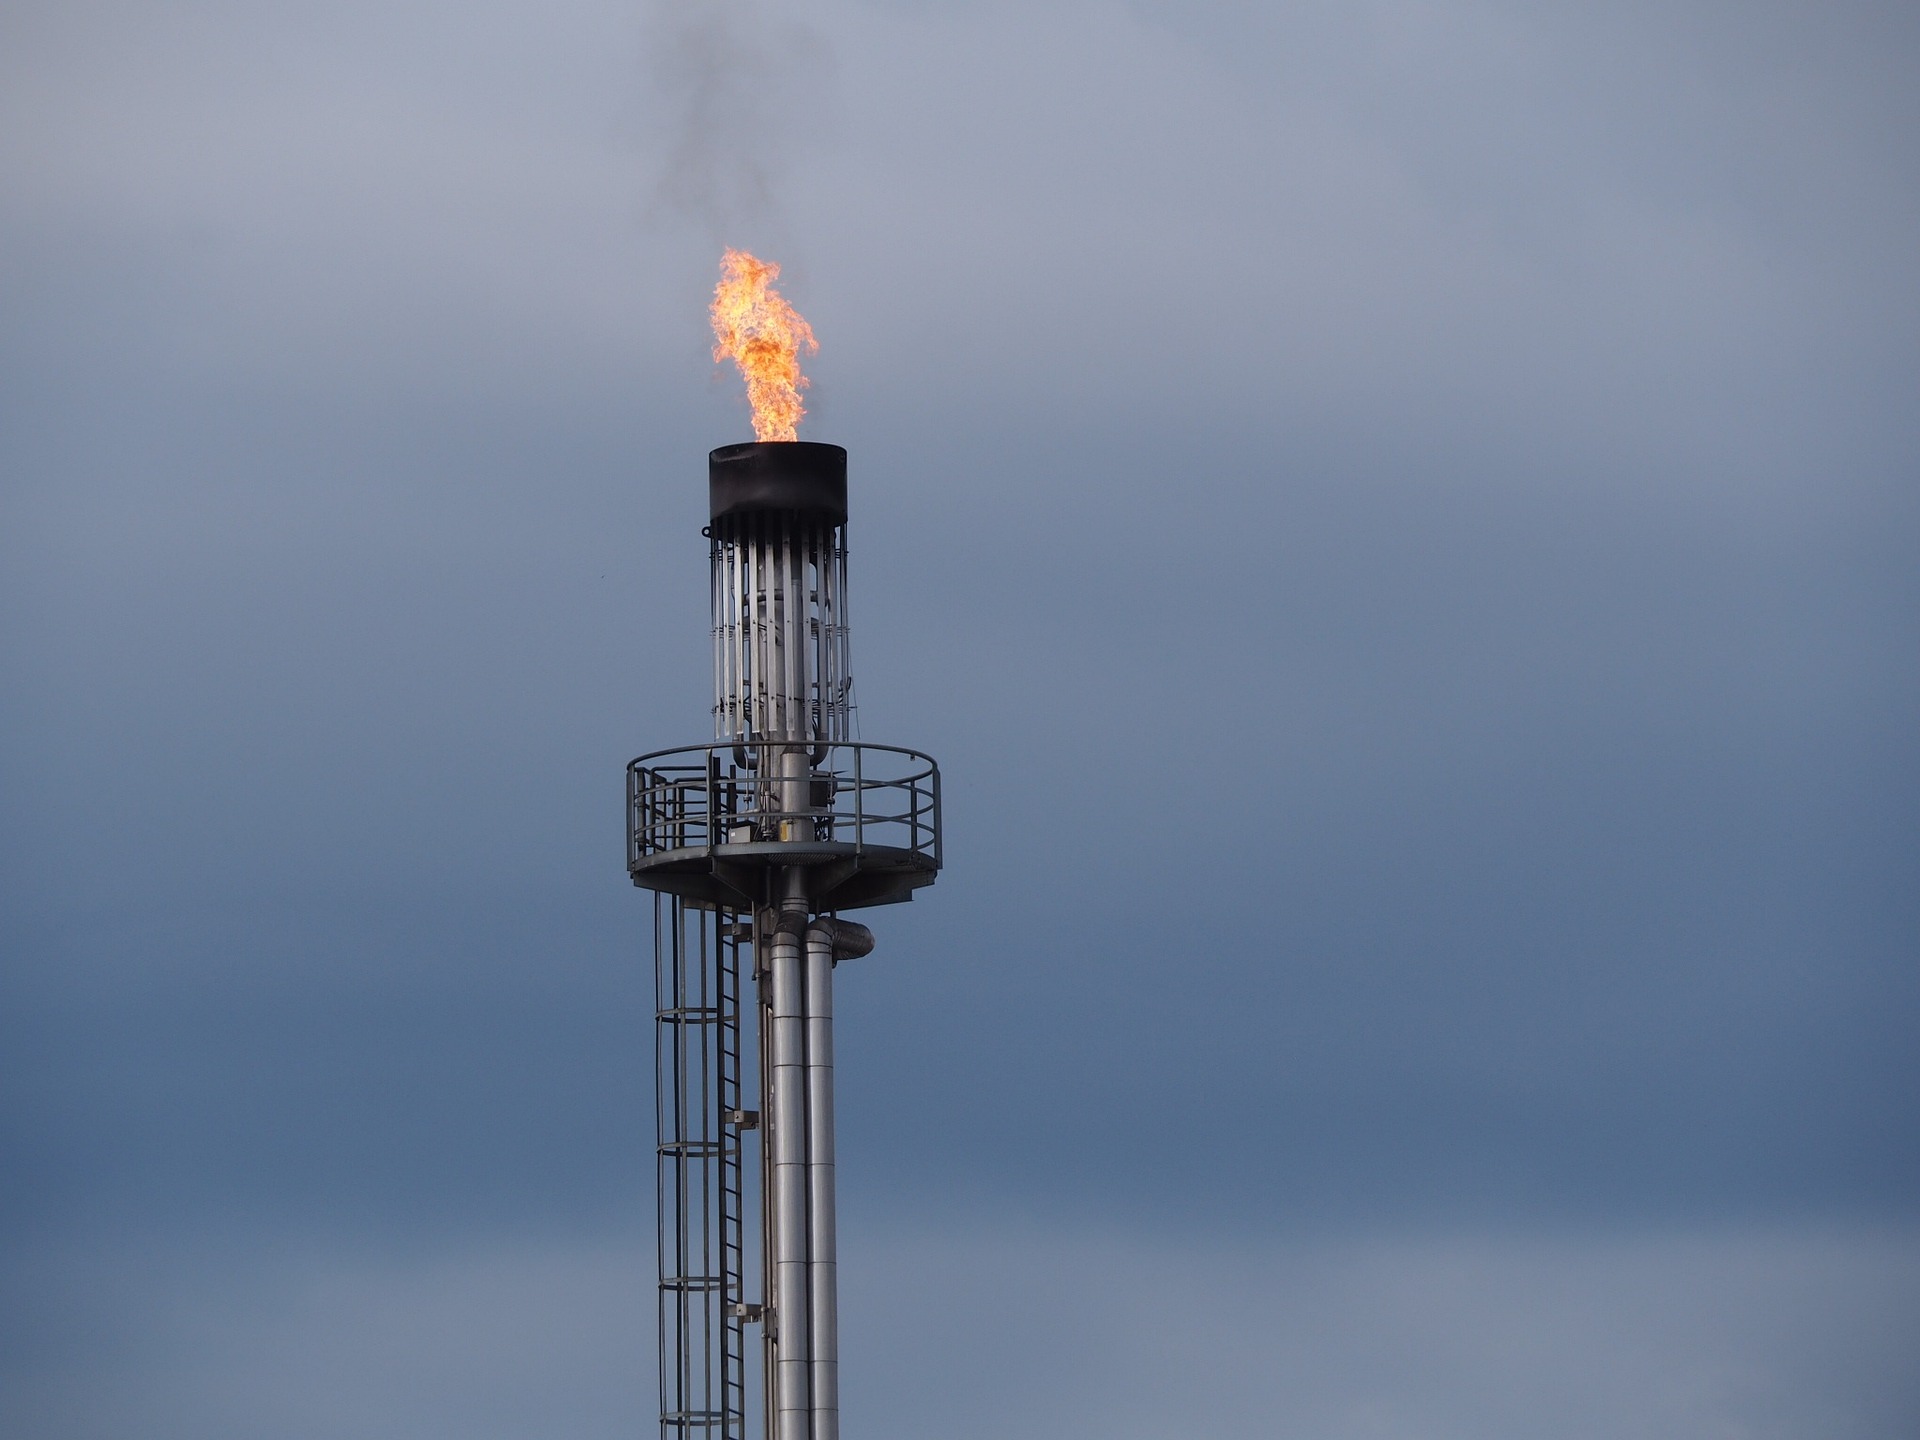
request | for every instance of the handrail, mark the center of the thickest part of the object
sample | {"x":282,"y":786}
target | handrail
{"x":714,"y":747}
{"x":726,"y":794}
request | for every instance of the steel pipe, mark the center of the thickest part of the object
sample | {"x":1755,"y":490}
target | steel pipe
{"x":787,"y":1159}
{"x":823,"y":1257}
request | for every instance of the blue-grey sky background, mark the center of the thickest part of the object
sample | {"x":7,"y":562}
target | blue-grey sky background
{"x":1399,"y":520}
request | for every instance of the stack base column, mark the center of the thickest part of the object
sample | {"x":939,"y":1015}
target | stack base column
{"x":823,"y":1258}
{"x":787,"y":1152}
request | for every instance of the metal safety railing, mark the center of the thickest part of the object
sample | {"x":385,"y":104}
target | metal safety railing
{"x":856,"y":795}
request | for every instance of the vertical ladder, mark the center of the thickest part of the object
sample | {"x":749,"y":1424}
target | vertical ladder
{"x":698,"y":1190}
{"x":734,"y":1127}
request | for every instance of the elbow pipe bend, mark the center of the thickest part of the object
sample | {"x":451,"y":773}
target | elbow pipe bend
{"x":848,"y":939}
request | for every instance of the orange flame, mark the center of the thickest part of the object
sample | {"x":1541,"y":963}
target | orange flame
{"x":756,"y":328}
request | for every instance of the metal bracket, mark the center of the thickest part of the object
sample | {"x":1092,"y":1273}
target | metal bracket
{"x":743,"y":1119}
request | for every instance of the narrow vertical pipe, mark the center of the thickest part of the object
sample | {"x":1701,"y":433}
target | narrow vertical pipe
{"x":809,"y":577}
{"x":755,"y":691}
{"x":843,"y":621}
{"x":823,"y":1268}
{"x":774,"y":680}
{"x":765,"y":680}
{"x":730,"y":699}
{"x":795,"y":782}
{"x":716,"y":601}
{"x":793,"y":1350}
{"x":793,"y":652}
{"x":823,"y":666}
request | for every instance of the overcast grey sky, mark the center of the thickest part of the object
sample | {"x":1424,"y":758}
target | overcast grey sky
{"x":1399,"y":520}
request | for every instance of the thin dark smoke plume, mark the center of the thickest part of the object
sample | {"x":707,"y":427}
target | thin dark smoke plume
{"x":734,"y":82}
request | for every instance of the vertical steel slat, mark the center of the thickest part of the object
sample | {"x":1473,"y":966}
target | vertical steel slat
{"x":792,"y":652}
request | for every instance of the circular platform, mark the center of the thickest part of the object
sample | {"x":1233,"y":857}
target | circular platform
{"x":713,"y":823}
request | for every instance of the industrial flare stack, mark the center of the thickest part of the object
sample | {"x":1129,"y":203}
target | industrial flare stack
{"x":753,"y":844}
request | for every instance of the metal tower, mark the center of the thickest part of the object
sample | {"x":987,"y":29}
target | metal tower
{"x":752,"y":846}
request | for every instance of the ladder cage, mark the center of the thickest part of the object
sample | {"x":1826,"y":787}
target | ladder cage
{"x":699,"y":1170}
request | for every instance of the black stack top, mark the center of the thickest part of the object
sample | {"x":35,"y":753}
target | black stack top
{"x":796,"y":476}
